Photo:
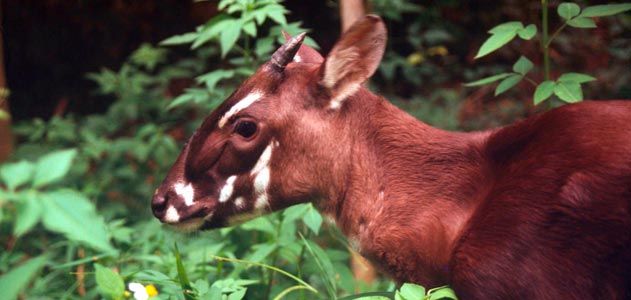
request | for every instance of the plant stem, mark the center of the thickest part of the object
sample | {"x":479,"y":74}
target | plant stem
{"x":544,"y":40}
{"x":555,"y":34}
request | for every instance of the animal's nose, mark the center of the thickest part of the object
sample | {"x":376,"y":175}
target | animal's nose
{"x":160,"y":202}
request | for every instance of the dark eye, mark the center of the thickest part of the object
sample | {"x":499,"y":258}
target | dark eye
{"x":246,"y":129}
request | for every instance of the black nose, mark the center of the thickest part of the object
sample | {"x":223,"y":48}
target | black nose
{"x":160,"y":202}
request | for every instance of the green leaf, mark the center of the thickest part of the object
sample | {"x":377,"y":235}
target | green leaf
{"x":229,"y":36}
{"x":313,"y":220}
{"x":261,"y":252}
{"x":528,"y":32}
{"x":295,"y":212}
{"x":29,"y":212}
{"x":576,"y":77}
{"x":496,"y":41}
{"x":185,"y":283}
{"x":211,"y":29}
{"x":513,"y":26}
{"x":544,"y":91}
{"x":581,"y":22}
{"x":15,"y":280}
{"x":568,"y":10}
{"x":276,"y":12}
{"x":180,"y":39}
{"x":568,"y":91}
{"x":442,"y":294}
{"x":250,"y":28}
{"x":523,"y":65}
{"x":70,"y":213}
{"x":411,"y":291}
{"x":488,"y":80}
{"x":53,"y":166}
{"x":508,"y":83}
{"x":605,"y":10}
{"x":109,"y":283}
{"x":16,"y":174}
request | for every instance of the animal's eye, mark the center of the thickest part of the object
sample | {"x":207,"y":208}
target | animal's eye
{"x":246,"y":129}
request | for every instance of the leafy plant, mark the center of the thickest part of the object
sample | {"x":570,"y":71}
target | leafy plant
{"x":568,"y":86}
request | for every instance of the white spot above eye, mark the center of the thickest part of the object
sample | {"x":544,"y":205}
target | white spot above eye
{"x":185,"y":191}
{"x":227,"y":189}
{"x":171,"y":216}
{"x":241,"y":105}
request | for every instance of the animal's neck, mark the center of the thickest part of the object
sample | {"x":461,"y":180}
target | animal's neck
{"x":410,"y":189}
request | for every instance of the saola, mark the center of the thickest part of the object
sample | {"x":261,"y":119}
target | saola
{"x":539,"y":209}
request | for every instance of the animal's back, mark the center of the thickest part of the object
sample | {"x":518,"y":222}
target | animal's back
{"x":557,"y":217}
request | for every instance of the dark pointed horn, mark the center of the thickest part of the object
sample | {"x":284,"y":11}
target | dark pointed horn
{"x":286,"y":52}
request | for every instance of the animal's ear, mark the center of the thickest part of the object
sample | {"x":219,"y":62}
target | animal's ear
{"x":305,"y":54}
{"x":354,"y":58}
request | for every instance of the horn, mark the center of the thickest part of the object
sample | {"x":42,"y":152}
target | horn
{"x":286,"y":52}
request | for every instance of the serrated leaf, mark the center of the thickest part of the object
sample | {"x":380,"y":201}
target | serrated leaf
{"x":53,"y":166}
{"x":229,"y":37}
{"x":568,"y":10}
{"x":582,"y":22}
{"x":16,"y":280}
{"x":495,"y":41}
{"x":576,"y":77}
{"x":605,"y":10}
{"x":313,"y":220}
{"x":568,"y":91}
{"x":70,"y":213}
{"x":528,"y":32}
{"x":29,"y":212}
{"x":180,"y":39}
{"x":544,"y":91}
{"x":512,"y":26}
{"x":523,"y":65}
{"x":16,"y":174}
{"x":488,"y":80}
{"x":109,"y":283}
{"x":508,"y":83}
{"x":410,"y":291}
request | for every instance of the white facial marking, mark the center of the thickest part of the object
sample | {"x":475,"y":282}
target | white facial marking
{"x":185,"y":191}
{"x":262,"y":177}
{"x":171,"y":216}
{"x":227,"y":189}
{"x":241,"y":105}
{"x":239,"y":202}
{"x":297,"y":58}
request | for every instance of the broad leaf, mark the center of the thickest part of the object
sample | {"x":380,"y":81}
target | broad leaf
{"x":70,"y":213}
{"x":14,"y":281}
{"x":568,"y":10}
{"x":496,"y":41}
{"x":508,"y":26}
{"x":53,"y":166}
{"x":581,"y":22}
{"x":605,"y":10}
{"x":29,"y":212}
{"x":544,"y":91}
{"x":444,"y":293}
{"x":411,"y":291}
{"x":212,"y":78}
{"x":16,"y":174}
{"x":488,"y":80}
{"x":211,"y":29}
{"x":313,"y":220}
{"x":569,"y":91}
{"x":250,"y":28}
{"x":523,"y":65}
{"x":261,"y":252}
{"x":109,"y":283}
{"x":576,"y":77}
{"x":229,"y":36}
{"x":508,"y":83}
{"x":180,"y":39}
{"x":528,"y":32}
{"x":295,"y":212}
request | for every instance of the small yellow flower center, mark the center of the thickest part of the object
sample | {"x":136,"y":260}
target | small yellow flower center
{"x":151,"y":290}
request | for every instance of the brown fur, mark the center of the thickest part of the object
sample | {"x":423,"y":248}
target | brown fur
{"x":537,"y":210}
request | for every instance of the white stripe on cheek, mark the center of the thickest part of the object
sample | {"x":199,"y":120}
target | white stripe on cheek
{"x":261,"y":172}
{"x":241,"y":105}
{"x":171,"y":216}
{"x":186,"y":192}
{"x":227,"y":189}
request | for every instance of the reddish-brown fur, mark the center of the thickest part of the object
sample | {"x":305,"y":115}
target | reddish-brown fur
{"x":540,"y":209}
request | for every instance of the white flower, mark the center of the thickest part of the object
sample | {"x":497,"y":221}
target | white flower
{"x":140,"y":293}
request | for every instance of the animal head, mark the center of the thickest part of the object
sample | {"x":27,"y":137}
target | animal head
{"x":279,"y":139}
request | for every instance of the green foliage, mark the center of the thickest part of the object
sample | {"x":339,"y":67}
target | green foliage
{"x":109,"y":283}
{"x":17,"y":279}
{"x":568,"y":86}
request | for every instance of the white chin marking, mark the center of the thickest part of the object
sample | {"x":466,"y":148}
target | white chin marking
{"x":239,"y":202}
{"x":185,"y":191}
{"x":228,"y":188}
{"x":171,"y":216}
{"x":239,"y":106}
